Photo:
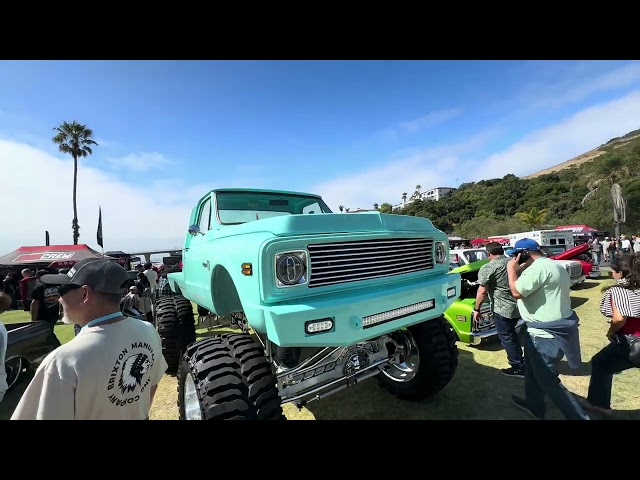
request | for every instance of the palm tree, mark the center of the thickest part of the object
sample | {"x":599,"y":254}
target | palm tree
{"x":533,"y":218}
{"x":375,"y":205}
{"x":341,"y":207}
{"x":418,"y":187}
{"x":610,"y":170}
{"x":404,"y":197}
{"x":74,"y":139}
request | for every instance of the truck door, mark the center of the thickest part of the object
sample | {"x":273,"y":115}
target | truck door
{"x":196,"y":265}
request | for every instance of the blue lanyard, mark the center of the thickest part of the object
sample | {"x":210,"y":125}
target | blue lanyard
{"x":102,"y":319}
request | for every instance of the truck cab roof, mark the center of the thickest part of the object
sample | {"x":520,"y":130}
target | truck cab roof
{"x":262,"y":190}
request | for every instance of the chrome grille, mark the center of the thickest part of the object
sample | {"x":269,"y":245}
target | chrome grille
{"x":333,"y":263}
{"x":576,"y":271}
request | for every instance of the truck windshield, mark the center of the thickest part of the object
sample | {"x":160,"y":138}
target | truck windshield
{"x":243,"y":207}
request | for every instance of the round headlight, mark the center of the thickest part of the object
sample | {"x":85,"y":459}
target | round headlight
{"x":441,"y":252}
{"x":290,"y":269}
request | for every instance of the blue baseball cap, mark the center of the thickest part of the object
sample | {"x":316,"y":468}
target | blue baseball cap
{"x":527,"y":244}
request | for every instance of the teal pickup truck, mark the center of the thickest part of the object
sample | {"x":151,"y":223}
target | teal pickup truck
{"x":323,"y":300}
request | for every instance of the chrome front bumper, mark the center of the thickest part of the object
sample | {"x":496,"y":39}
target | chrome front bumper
{"x":475,"y":338}
{"x":578,"y":280}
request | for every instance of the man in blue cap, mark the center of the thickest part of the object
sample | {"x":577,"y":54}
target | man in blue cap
{"x":542,"y":288}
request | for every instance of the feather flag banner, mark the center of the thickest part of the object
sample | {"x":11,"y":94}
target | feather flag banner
{"x":99,"y":233}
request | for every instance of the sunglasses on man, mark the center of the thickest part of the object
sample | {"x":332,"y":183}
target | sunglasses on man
{"x":64,"y":289}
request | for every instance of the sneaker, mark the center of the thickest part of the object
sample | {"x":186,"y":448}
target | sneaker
{"x":513,"y":372}
{"x":584,"y":403}
{"x":521,"y":403}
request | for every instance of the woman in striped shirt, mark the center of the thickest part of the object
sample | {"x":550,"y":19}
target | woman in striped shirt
{"x":620,"y":303}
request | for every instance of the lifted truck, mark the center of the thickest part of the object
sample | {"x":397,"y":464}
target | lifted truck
{"x":324,"y":301}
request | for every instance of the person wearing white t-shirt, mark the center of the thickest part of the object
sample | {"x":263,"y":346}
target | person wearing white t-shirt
{"x":152,"y":276}
{"x":625,"y":244}
{"x":111,"y":369}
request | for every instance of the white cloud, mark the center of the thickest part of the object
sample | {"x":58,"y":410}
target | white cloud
{"x":134,"y":217}
{"x":558,"y":143}
{"x":140,"y":162}
{"x":431,"y":167}
{"x":107,"y":143}
{"x":582,"y":82}
{"x":429,"y":120}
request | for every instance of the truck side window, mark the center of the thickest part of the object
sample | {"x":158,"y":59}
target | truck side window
{"x":205,"y":216}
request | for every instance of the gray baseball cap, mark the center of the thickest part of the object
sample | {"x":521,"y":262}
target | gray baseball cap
{"x":101,"y":275}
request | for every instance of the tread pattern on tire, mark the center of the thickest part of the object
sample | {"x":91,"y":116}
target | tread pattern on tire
{"x":438,"y":361}
{"x":175,"y":322}
{"x":233,"y":378}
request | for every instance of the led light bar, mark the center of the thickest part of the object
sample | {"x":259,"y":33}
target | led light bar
{"x":378,"y":318}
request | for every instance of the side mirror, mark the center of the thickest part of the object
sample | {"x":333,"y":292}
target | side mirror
{"x":195,"y":230}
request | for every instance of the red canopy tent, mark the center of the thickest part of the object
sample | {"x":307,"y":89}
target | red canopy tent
{"x":53,"y":256}
{"x":583,"y":231}
{"x":479,"y":241}
{"x":500,"y":240}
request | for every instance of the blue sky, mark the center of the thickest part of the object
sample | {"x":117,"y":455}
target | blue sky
{"x":356,"y":132}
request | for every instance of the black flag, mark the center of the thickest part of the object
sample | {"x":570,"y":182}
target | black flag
{"x":46,"y":237}
{"x":99,"y":235}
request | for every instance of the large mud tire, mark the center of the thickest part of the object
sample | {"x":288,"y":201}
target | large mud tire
{"x":175,"y":322}
{"x":438,"y":361}
{"x":233,"y":380}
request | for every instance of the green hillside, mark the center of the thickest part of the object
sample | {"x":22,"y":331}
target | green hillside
{"x":487,"y":207}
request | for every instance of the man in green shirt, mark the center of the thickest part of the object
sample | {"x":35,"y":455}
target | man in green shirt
{"x":544,"y":301}
{"x":493,"y":280}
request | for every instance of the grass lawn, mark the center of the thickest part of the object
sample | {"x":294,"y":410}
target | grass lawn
{"x":478,"y":390}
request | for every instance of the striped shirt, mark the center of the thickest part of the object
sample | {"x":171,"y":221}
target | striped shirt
{"x":627,"y":302}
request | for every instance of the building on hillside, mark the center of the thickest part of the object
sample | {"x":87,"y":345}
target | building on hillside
{"x":432,"y":194}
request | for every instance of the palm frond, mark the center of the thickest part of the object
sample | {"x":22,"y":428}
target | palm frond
{"x":589,"y":195}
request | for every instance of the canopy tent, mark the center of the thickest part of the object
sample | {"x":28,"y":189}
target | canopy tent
{"x":478,"y":241}
{"x":52,"y":256}
{"x":583,"y":230}
{"x":501,"y":240}
{"x":455,"y":241}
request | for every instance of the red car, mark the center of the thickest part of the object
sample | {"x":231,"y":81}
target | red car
{"x":582,"y":254}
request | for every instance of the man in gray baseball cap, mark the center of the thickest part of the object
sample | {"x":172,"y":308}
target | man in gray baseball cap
{"x":111,"y":369}
{"x":101,"y":275}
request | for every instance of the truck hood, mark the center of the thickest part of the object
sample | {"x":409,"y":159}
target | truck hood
{"x":572,"y":252}
{"x":366,"y":222}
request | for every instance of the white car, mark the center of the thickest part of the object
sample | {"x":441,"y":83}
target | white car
{"x":464,"y":256}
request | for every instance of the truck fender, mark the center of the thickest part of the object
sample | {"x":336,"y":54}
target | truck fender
{"x":224,"y":293}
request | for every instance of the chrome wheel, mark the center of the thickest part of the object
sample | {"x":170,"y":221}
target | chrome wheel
{"x":192,"y":410}
{"x":13,"y":367}
{"x":405,"y":363}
